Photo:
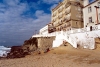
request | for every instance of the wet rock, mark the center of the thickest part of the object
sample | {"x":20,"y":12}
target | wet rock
{"x":17,"y":52}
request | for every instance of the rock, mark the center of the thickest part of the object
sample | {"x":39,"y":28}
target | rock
{"x":16,"y":52}
{"x":30,"y":45}
{"x":21,"y":51}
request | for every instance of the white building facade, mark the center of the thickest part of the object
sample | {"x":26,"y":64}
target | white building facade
{"x":44,"y":30}
{"x":91,"y":13}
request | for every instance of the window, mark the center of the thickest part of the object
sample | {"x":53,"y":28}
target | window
{"x":65,"y":26}
{"x":90,"y":20}
{"x":76,"y":23}
{"x":99,"y":4}
{"x":89,"y":9}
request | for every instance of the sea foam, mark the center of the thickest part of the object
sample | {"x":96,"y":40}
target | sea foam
{"x":4,"y":51}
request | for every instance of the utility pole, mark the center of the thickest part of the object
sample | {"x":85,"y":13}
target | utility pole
{"x":97,"y":13}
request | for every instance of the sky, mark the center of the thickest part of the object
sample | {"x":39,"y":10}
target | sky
{"x":90,"y":1}
{"x":19,"y":19}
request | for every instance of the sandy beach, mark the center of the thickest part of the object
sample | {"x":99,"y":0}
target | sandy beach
{"x":64,"y":56}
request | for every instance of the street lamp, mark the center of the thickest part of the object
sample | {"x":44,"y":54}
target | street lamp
{"x":97,"y":13}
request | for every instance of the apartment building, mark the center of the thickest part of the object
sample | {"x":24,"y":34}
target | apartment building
{"x":91,"y":13}
{"x":67,"y":15}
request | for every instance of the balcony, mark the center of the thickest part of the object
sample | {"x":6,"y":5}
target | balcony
{"x":53,"y":20}
{"x":64,"y":26}
{"x":54,"y":15}
{"x":68,"y":4}
{"x":67,"y":12}
{"x":64,"y":19}
{"x":68,"y":18}
{"x":68,"y":25}
{"x":60,"y":17}
{"x":59,"y":23}
{"x":60,"y":10}
{"x":61,"y":27}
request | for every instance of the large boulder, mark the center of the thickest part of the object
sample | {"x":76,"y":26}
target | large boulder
{"x":17,"y":52}
{"x":30,"y":45}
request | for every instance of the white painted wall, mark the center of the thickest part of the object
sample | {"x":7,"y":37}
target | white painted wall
{"x":92,"y":14}
{"x":44,"y":30}
{"x":85,"y":39}
{"x":86,"y":2}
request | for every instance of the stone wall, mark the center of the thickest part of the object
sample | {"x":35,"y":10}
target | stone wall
{"x":45,"y":42}
{"x":97,"y":43}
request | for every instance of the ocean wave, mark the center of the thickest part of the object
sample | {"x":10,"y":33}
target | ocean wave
{"x":4,"y":51}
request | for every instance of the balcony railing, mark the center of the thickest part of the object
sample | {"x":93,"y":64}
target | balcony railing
{"x":68,"y":4}
{"x":60,"y":16}
{"x":68,"y":18}
{"x":68,"y":25}
{"x":53,"y":20}
{"x":57,"y":24}
{"x":67,"y":12}
{"x":60,"y":22}
{"x":60,"y":10}
{"x":63,"y":20}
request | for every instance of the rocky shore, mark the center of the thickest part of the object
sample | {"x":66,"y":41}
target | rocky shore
{"x":36,"y":45}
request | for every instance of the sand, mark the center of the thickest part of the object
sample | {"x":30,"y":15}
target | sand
{"x":64,"y":56}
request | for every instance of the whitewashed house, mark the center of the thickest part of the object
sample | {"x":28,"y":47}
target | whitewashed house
{"x":91,"y":12}
{"x":44,"y":30}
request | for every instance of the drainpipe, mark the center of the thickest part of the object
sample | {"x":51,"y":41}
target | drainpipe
{"x":97,"y":13}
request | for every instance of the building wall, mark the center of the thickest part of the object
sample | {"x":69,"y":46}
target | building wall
{"x":44,"y":30}
{"x":45,"y":42}
{"x":87,"y":14}
{"x":76,"y":24}
{"x":76,"y":12}
{"x":86,"y":2}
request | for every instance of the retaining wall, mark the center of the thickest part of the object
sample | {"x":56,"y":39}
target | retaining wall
{"x":45,"y":42}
